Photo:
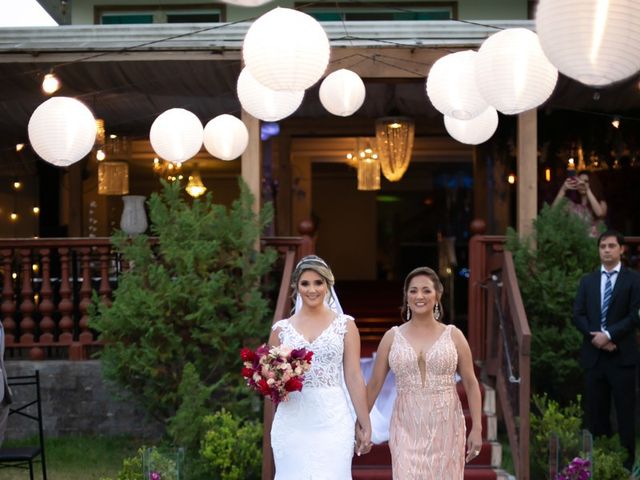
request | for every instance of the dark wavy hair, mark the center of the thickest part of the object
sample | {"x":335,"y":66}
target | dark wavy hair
{"x":416,"y":272}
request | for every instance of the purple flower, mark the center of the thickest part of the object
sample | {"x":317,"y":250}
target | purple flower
{"x":578,"y":469}
{"x":298,"y":353}
{"x":155,"y":476}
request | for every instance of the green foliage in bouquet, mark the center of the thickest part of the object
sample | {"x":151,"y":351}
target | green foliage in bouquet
{"x":549,"y":265}
{"x":231,"y":449}
{"x":191,"y":299}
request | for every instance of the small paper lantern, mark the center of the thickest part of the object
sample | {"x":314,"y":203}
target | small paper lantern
{"x":451,"y":86}
{"x":286,"y":49}
{"x":176,"y":135}
{"x":592,"y":41}
{"x":342,"y":92}
{"x":62,"y":131}
{"x":512,"y":72}
{"x":226,"y":137}
{"x":475,"y":131}
{"x":265,"y":103}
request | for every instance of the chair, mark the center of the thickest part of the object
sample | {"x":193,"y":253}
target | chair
{"x":24,"y":389}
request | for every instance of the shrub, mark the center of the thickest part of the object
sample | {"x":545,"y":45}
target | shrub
{"x":607,"y":456}
{"x":549,"y":265}
{"x":191,"y":299}
{"x":231,"y":449}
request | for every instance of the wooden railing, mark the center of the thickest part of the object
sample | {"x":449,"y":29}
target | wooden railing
{"x":500,"y":337}
{"x":48,"y":284}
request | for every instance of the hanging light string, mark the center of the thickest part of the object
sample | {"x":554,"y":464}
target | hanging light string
{"x":358,"y":58}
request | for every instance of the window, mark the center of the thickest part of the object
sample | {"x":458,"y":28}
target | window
{"x":372,"y":11}
{"x":138,"y":14}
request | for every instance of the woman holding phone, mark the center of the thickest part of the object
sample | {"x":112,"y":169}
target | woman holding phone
{"x":585,"y":199}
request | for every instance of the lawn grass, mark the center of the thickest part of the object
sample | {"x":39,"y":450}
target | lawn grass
{"x":78,"y":458}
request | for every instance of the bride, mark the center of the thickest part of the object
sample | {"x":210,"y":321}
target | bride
{"x":313,"y":433}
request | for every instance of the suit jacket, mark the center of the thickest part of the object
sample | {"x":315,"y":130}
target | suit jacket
{"x":5,"y":391}
{"x":622,"y":317}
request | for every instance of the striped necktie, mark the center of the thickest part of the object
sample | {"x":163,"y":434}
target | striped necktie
{"x":606,"y":299}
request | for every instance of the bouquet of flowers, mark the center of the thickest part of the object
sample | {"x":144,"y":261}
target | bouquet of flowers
{"x":275,"y":371}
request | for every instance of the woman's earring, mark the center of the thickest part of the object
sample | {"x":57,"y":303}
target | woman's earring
{"x":437,"y":311}
{"x":408,"y":313}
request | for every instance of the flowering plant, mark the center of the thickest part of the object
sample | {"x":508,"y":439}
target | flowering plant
{"x":275,"y":371}
{"x":578,"y":469}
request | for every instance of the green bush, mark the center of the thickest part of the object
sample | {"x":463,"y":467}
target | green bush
{"x":549,"y":265}
{"x":231,"y":449}
{"x":192,"y":299}
{"x":131,"y":468}
{"x":608,"y":455}
{"x":565,"y":422}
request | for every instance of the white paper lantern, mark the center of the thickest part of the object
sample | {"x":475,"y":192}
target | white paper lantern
{"x":226,"y":137}
{"x":475,"y":131}
{"x":264,"y":103}
{"x":593,"y":41}
{"x":62,"y":131}
{"x":451,"y":86}
{"x":342,"y":92}
{"x":176,"y":135}
{"x":512,"y":72}
{"x":286,"y":49}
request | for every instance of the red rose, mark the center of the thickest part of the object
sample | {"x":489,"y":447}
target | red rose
{"x":308,"y":356}
{"x":247,"y":354}
{"x":247,"y":372}
{"x":263,"y":387}
{"x":293,"y":385}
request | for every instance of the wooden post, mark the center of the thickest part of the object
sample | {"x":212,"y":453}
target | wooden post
{"x":527,"y":171}
{"x":251,"y":160}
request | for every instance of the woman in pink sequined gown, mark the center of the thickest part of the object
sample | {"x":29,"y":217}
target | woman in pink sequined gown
{"x":427,"y":433}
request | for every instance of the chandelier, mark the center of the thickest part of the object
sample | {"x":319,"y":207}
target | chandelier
{"x":168,"y":170}
{"x":195,"y":187}
{"x":394,"y":137}
{"x":366,"y":160}
{"x":113,"y":171}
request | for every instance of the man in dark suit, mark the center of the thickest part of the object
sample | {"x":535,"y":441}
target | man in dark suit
{"x":606,"y":313}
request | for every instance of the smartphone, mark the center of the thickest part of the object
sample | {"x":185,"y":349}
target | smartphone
{"x":571,"y":173}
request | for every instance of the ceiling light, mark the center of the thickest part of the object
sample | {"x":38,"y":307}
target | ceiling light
{"x":50,"y":83}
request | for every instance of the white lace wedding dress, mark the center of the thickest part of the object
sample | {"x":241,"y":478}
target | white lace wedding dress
{"x":313,"y":432}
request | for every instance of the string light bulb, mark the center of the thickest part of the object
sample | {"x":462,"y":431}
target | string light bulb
{"x":511,"y":178}
{"x":13,"y":217}
{"x":17,"y":184}
{"x":36,"y":210}
{"x":50,"y":83}
{"x":19,"y":147}
{"x":615,"y":122}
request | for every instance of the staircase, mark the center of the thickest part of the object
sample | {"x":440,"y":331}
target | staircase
{"x":375,"y":306}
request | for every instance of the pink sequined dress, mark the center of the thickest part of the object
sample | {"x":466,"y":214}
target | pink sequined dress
{"x":427,"y":433}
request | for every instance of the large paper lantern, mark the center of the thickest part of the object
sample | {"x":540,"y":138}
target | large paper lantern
{"x":264,"y":103}
{"x":286,"y":49}
{"x":226,"y":137}
{"x":596,"y":42}
{"x":451,"y":86}
{"x":176,"y":135}
{"x":512,"y":72}
{"x":342,"y":92}
{"x":475,"y":131}
{"x":62,"y":131}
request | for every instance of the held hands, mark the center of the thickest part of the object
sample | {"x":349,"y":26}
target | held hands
{"x":363,"y":439}
{"x":474,"y":445}
{"x":600,"y":340}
